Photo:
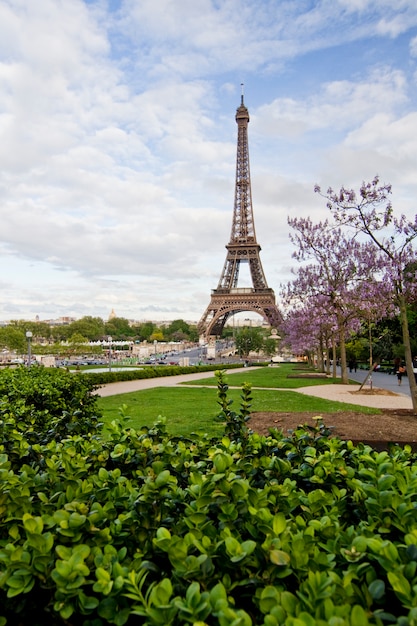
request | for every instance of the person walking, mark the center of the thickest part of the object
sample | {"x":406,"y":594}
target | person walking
{"x":397,"y":363}
{"x":400,"y":373}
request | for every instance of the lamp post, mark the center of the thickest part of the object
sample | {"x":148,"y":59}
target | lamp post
{"x":110,"y":339}
{"x":29,"y":335}
{"x":155,"y":342}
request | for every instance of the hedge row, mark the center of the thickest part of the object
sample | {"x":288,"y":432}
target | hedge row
{"x":104,"y":377}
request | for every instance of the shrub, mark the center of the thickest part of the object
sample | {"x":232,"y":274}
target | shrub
{"x":39,"y":405}
{"x":144,"y":528}
{"x":104,"y":377}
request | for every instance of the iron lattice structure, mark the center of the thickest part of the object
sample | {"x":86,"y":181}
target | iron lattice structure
{"x":228,"y":298}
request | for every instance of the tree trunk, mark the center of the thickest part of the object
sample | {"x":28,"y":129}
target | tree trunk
{"x":320,"y":362}
{"x":334,"y":366}
{"x":342,"y":347}
{"x":408,"y":353}
{"x":327,"y":360}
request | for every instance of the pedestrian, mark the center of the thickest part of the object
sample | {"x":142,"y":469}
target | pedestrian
{"x":397,"y":363}
{"x":400,"y":373}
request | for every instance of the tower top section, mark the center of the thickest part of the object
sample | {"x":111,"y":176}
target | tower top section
{"x":242,"y":113}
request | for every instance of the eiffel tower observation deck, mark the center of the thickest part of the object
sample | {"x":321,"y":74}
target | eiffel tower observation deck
{"x":243,"y":247}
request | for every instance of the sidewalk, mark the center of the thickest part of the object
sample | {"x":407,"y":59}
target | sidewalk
{"x":349,"y":393}
{"x":381,"y":380}
{"x":114,"y":389}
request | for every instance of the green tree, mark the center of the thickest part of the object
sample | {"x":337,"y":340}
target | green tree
{"x":248,"y":339}
{"x":12,"y":338}
{"x":269,"y":346}
{"x":90,"y":327}
{"x":40,"y":330}
{"x":144,"y":330}
{"x":77,"y":339}
{"x":180,"y":330}
{"x":61,"y":332}
{"x":119,"y":328}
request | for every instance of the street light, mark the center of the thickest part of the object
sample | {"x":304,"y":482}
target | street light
{"x":29,"y":336}
{"x":155,"y":341}
{"x":110,"y":339}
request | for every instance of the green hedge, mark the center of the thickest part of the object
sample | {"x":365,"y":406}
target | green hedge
{"x":146,"y":528}
{"x":105,"y":377}
{"x":41,"y":404}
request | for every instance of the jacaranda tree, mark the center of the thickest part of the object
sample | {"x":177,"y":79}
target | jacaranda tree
{"x":308,"y":328}
{"x":343,"y":273}
{"x":370,"y":212}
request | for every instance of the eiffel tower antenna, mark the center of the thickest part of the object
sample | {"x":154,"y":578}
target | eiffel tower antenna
{"x":243,"y":247}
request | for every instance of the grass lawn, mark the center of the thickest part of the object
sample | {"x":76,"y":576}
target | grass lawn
{"x":194,"y":409}
{"x":275,"y":377}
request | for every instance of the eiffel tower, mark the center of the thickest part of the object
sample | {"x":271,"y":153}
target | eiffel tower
{"x":228,"y":298}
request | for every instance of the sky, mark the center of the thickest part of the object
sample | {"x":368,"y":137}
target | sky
{"x":118,"y":140}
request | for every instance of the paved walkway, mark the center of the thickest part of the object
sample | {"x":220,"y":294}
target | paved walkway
{"x":381,"y":380}
{"x":113,"y":389}
{"x":351,"y":394}
{"x":340,"y":393}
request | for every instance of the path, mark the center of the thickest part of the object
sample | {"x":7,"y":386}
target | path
{"x":382,"y":381}
{"x":113,"y":389}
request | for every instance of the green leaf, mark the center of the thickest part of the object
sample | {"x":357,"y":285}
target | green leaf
{"x":279,"y":557}
{"x":377,"y":589}
{"x":305,"y":619}
{"x":87,"y":603}
{"x":221,"y":462}
{"x":163,"y":533}
{"x":66,"y":611}
{"x":218,"y":594}
{"x":63,"y":568}
{"x":400,"y":585}
{"x":32,"y":524}
{"x":279,"y":523}
{"x":233,"y":547}
{"x":81,"y":551}
{"x":358,"y":616}
{"x":270,"y":597}
{"x":122,"y":616}
{"x":385,"y":482}
{"x":107,"y":609}
{"x":63,"y":552}
{"x":289,"y":602}
{"x":412,"y":552}
{"x":161,"y":593}
{"x":162,"y":478}
{"x":76,"y":520}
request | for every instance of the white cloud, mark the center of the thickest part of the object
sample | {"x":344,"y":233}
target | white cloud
{"x":118,"y":139}
{"x":337,"y":105}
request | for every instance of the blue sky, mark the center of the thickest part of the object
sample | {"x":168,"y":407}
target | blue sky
{"x":118,"y":139}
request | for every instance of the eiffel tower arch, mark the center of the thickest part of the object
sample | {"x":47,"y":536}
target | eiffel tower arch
{"x":243,"y":247}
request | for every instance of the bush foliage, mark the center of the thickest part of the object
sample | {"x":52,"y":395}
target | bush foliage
{"x":139,"y":527}
{"x":104,"y":377}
